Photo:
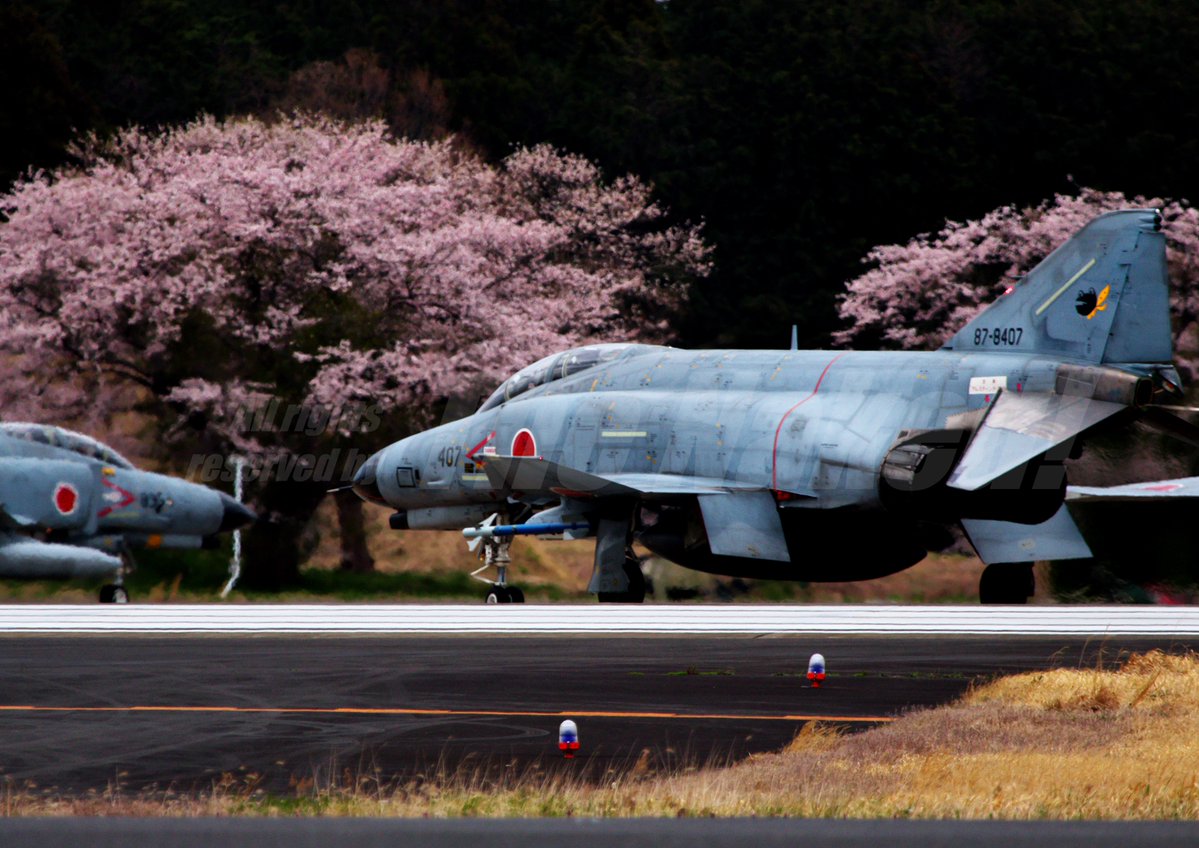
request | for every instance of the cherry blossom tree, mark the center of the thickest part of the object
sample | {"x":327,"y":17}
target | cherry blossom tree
{"x":916,"y":295}
{"x":216,"y":268}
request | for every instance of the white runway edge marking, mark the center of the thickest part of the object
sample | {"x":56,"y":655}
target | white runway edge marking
{"x":593,"y":618}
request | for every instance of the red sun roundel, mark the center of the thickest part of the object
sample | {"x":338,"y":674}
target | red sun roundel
{"x":66,"y":498}
{"x":523,"y":444}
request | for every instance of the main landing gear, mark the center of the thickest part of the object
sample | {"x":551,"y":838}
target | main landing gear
{"x":617,"y":577}
{"x":1006,"y":583}
{"x":635,"y":593}
{"x":497,"y":553}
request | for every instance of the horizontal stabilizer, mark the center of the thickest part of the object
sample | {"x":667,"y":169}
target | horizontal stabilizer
{"x":1160,"y":490}
{"x":533,"y":474}
{"x":744,"y":524}
{"x":1006,"y":541}
{"x":1178,"y":422}
{"x":1019,"y":428}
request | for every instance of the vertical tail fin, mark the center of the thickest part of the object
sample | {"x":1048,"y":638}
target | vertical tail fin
{"x":1103,"y":296}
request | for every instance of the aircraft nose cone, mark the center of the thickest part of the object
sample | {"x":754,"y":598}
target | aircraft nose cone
{"x":235,"y":514}
{"x":366,"y":483}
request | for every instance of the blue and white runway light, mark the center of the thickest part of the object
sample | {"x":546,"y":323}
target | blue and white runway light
{"x":816,"y":670}
{"x":568,"y":739}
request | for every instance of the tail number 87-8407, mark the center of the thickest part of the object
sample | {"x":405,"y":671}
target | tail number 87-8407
{"x":998,"y":336}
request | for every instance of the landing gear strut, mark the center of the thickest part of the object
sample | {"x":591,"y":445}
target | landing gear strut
{"x":115,"y":592}
{"x":497,"y":554}
{"x":1006,"y":583}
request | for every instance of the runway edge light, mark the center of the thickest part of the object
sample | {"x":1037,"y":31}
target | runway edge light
{"x":816,"y":670}
{"x":568,"y":739}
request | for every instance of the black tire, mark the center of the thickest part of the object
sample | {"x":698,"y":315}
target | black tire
{"x":113,"y":594}
{"x":636,"y":590}
{"x":498,"y":595}
{"x":1006,"y":583}
{"x":515,"y":595}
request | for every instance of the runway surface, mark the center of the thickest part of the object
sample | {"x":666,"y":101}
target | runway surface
{"x":584,"y":833}
{"x":600,"y":618}
{"x":182,"y":711}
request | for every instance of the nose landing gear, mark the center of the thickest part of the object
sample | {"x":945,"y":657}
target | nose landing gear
{"x":115,"y":592}
{"x":496,"y":553}
{"x":505,"y":595}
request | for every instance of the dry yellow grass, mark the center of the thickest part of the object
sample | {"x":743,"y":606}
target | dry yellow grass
{"x":1081,"y":743}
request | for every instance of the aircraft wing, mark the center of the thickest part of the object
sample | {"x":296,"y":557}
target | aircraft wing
{"x":742,"y":519}
{"x":1160,"y":490}
{"x":14,"y":520}
{"x":533,"y":474}
{"x":1021,"y":427}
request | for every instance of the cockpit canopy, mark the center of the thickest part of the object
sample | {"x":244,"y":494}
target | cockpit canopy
{"x":58,"y":437}
{"x":561,"y":365}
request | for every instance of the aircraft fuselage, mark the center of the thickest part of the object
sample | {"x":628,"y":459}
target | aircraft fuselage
{"x":814,"y":427}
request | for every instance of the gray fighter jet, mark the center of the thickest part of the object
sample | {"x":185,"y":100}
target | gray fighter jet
{"x":815,"y":465}
{"x":73,"y":507}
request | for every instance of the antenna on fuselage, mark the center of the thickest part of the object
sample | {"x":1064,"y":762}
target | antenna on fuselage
{"x":794,"y":337}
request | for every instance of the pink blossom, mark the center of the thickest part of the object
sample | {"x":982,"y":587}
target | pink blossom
{"x":387,"y":270}
{"x":917,"y":295}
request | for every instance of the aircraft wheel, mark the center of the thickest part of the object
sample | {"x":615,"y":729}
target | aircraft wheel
{"x":498,"y":595}
{"x":113,"y":594}
{"x":636,"y":591}
{"x":515,"y":595}
{"x":1006,"y":583}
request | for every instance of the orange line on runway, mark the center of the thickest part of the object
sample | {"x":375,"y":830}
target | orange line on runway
{"x":400,"y":711}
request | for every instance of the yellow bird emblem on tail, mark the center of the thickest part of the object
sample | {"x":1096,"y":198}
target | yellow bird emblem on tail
{"x":1100,"y":303}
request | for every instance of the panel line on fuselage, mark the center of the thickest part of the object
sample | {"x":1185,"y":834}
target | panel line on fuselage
{"x":774,"y":464}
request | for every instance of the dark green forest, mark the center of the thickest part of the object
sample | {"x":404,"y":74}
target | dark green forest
{"x":801,"y":133}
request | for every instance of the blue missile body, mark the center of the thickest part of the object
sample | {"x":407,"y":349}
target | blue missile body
{"x":500,"y":531}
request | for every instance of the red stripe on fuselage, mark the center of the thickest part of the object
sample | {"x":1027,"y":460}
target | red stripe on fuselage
{"x":774,"y":455}
{"x":470,"y":454}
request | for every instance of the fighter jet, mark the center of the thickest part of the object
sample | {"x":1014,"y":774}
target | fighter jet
{"x":71,"y":507}
{"x":814,"y":465}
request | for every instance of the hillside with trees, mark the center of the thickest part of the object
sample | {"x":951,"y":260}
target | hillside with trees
{"x":801,"y":134}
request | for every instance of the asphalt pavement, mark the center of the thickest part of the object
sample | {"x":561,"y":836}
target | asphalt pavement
{"x":183,"y":712}
{"x":589,"y":833}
